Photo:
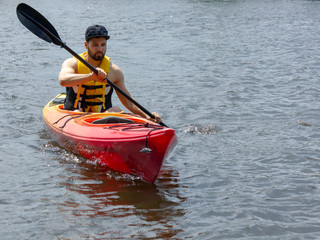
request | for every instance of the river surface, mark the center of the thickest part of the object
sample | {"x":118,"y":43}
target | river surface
{"x":237,"y":79}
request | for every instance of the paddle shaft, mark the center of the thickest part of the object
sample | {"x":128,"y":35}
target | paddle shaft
{"x":56,"y":40}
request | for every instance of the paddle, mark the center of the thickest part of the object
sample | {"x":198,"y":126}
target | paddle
{"x":41,"y":27}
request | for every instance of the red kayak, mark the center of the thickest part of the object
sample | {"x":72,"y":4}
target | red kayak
{"x":123,"y":142}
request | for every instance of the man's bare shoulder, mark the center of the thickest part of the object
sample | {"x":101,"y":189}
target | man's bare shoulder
{"x":114,"y":67}
{"x":69,"y":65}
{"x":70,"y":62}
{"x":115,"y":73}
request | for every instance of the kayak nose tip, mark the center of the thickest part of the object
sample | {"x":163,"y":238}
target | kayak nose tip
{"x":146,"y":150}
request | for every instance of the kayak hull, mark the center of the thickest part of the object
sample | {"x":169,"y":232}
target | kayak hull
{"x":138,"y":147}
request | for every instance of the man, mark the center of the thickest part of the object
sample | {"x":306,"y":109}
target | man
{"x":89,"y":92}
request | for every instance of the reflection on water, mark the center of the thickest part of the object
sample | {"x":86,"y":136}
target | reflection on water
{"x":107,"y":195}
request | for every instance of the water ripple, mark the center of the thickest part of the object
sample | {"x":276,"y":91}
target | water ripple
{"x":201,"y":129}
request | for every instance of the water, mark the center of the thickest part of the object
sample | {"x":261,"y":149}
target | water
{"x":238,"y":80}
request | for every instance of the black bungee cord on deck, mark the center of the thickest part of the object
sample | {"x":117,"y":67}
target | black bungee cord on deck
{"x":131,"y":126}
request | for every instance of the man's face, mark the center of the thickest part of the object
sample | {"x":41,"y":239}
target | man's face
{"x":97,"y":48}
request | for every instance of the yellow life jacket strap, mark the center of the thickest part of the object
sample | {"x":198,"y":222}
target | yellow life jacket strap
{"x":78,"y":97}
{"x":104,"y":96}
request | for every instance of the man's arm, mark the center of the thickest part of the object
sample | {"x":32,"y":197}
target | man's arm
{"x":68,"y":76}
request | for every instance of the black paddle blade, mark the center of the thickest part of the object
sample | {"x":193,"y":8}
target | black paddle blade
{"x":37,"y":24}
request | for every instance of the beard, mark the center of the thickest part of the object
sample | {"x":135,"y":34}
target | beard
{"x":98,"y":56}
